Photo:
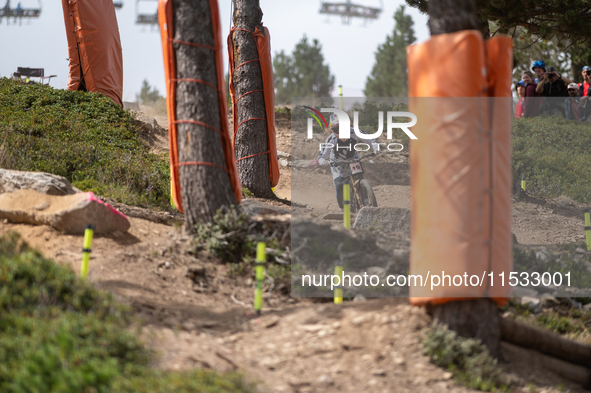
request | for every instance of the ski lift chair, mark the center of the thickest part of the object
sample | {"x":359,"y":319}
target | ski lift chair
{"x":28,"y":73}
{"x":144,"y":18}
{"x":20,"y":13}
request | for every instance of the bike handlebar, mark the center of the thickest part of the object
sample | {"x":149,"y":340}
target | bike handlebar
{"x":335,"y":163}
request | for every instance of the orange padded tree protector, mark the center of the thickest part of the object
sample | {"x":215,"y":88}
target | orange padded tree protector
{"x":94,"y":47}
{"x":166,"y":22}
{"x":460,"y":164}
{"x":263,"y":42}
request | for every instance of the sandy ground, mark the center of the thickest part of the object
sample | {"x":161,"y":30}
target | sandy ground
{"x":204,"y":319}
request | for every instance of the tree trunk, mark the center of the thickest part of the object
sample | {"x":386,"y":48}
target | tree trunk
{"x":478,"y":318}
{"x":204,"y":189}
{"x":576,"y":68}
{"x":251,"y":136}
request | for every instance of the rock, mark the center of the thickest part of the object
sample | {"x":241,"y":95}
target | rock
{"x":447,"y":375}
{"x":189,"y":326}
{"x":548,"y":301}
{"x":377,"y":271}
{"x":253,"y":207}
{"x":272,"y":321}
{"x":392,"y":219}
{"x":312,"y":328}
{"x":132,"y":106}
{"x":542,"y":255}
{"x":401,"y":255}
{"x":522,"y":291}
{"x":579,"y":250}
{"x":334,"y":216}
{"x":43,"y":183}
{"x":282,"y":154}
{"x":359,"y":298}
{"x":67,"y":213}
{"x":379,"y":372}
{"x":301,"y":163}
{"x":194,"y":271}
{"x":587,"y":307}
{"x":532,"y":302}
{"x":325,"y":379}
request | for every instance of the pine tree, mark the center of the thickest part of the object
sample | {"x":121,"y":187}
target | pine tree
{"x":148,"y":95}
{"x":303,"y":74}
{"x":566,"y":19}
{"x":389,"y":75}
{"x":528,"y":48}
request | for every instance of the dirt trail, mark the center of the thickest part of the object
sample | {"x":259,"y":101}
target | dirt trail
{"x":196,"y":315}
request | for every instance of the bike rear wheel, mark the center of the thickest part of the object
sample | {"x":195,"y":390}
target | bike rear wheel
{"x":368,"y":198}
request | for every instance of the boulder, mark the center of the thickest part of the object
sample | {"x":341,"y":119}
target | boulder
{"x":44,"y":183}
{"x":392,"y":219}
{"x":252,"y":208}
{"x":67,"y":213}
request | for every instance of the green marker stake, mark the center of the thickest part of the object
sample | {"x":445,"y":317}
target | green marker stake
{"x":588,"y":229}
{"x":171,"y":201}
{"x":260,"y":276}
{"x":88,"y":234}
{"x":338,"y":291}
{"x":341,"y":95}
{"x":522,"y":184}
{"x":347,"y":206}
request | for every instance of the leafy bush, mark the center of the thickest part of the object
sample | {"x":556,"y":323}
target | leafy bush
{"x":232,"y":237}
{"x":552,"y":154}
{"x":466,"y":358}
{"x":59,"y":334}
{"x":563,"y":259}
{"x":84,"y":137}
{"x":226,"y":236}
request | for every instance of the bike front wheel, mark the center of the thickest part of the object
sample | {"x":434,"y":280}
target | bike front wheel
{"x":368,"y":198}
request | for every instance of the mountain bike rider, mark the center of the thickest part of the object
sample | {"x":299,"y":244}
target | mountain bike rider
{"x":336,"y":149}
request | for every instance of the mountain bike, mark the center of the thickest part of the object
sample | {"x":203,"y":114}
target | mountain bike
{"x":362,"y":194}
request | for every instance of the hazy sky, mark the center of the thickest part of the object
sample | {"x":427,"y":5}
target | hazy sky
{"x":348,"y":49}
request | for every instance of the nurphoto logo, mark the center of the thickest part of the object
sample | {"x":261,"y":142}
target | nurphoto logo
{"x":345,"y":127}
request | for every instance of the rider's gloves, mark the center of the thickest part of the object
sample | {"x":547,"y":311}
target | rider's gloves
{"x":376,"y":147}
{"x":321,"y":161}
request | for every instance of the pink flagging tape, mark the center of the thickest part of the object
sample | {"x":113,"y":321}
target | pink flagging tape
{"x":93,"y":198}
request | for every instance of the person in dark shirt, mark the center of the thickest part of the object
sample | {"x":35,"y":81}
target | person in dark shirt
{"x":572,"y":107}
{"x":553,"y":86}
{"x":532,"y":100}
{"x":520,"y":89}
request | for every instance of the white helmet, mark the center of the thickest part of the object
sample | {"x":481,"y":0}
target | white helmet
{"x":334,"y":120}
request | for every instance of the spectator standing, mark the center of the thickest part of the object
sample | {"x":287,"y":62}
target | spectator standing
{"x":553,"y":87}
{"x":584,"y":87}
{"x":539,"y":68}
{"x":572,"y":108}
{"x":520,"y":89}
{"x":532,"y":100}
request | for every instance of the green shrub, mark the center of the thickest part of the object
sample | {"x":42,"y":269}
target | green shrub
{"x":232,"y":237}
{"x":226,"y":236}
{"x":466,"y":358}
{"x":59,"y":334}
{"x":552,"y":154}
{"x":84,"y":137}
